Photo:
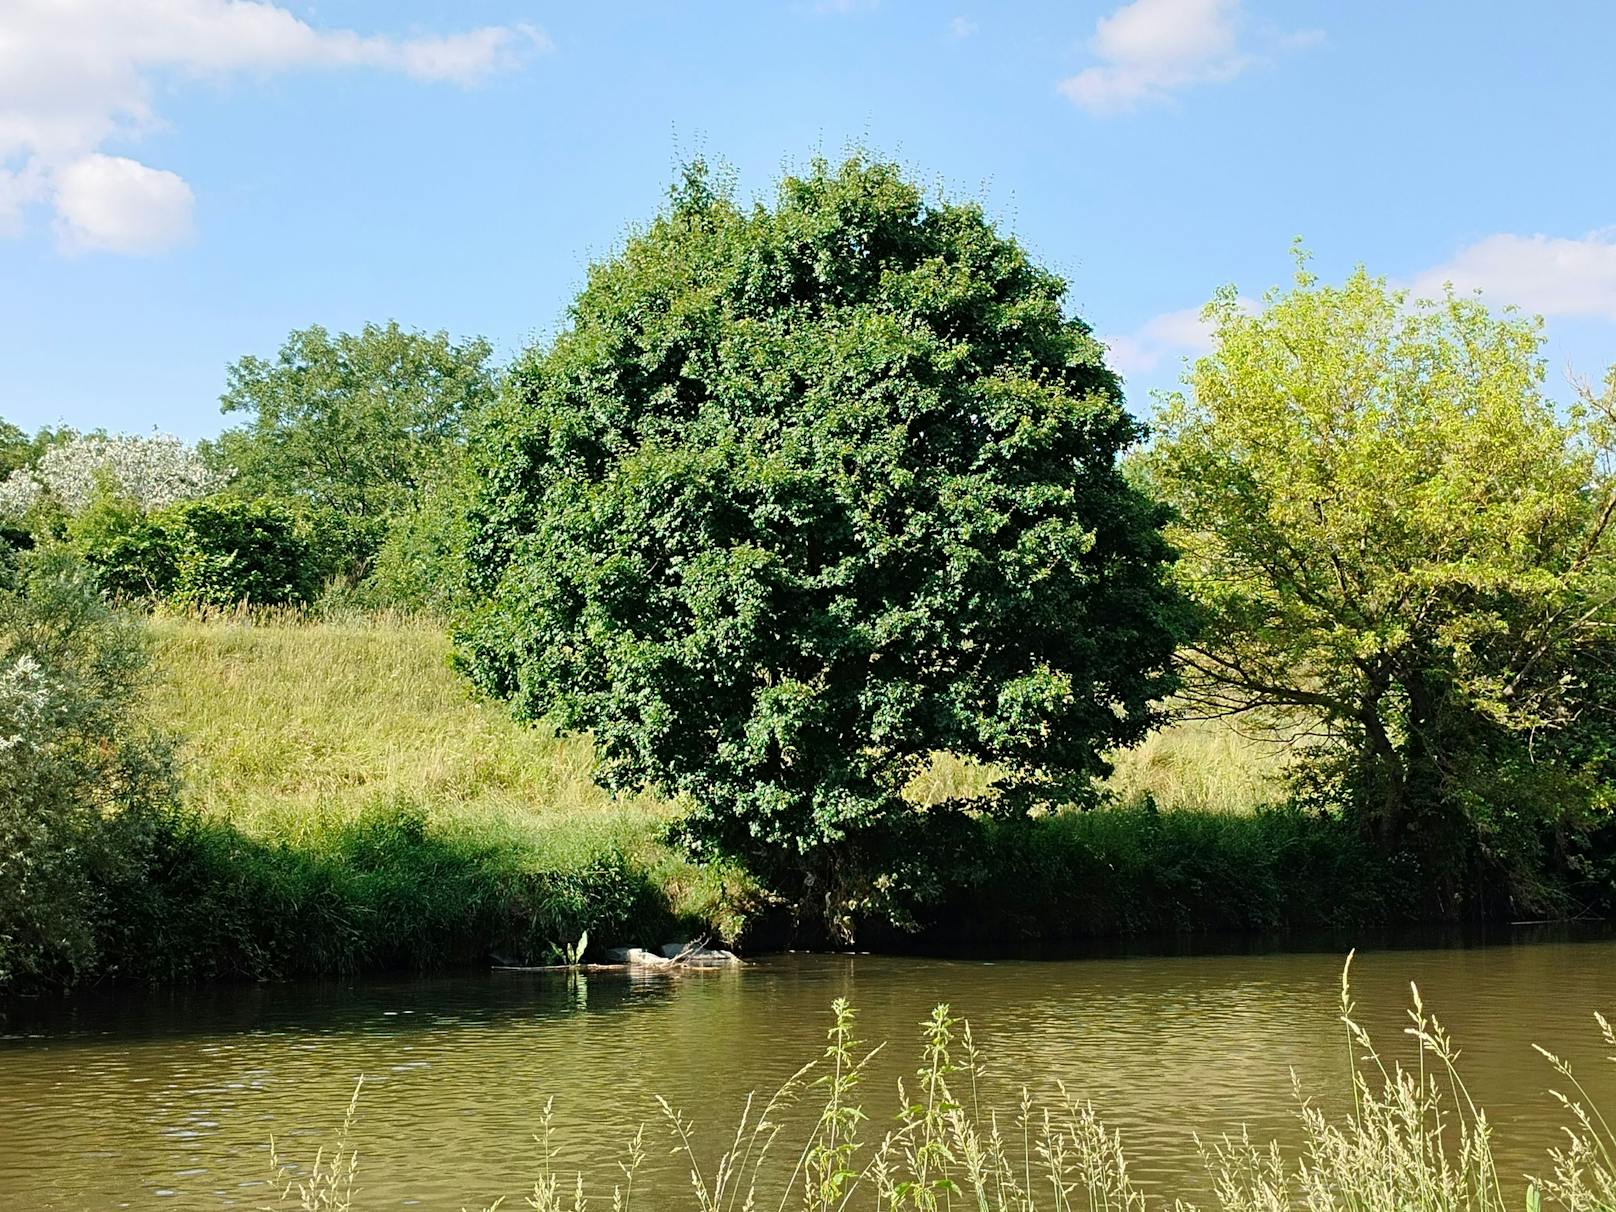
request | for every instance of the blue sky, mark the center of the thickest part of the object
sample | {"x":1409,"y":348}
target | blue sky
{"x":184,"y":181}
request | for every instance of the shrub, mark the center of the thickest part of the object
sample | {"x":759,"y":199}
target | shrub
{"x":212,"y":552}
{"x":1133,"y":870}
{"x":380,"y":891}
{"x":81,"y":779}
{"x":233,"y":551}
{"x":418,"y":566}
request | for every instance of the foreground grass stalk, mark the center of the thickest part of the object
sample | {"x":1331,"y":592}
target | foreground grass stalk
{"x":1414,"y":1141}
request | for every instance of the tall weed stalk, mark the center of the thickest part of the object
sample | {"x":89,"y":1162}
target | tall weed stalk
{"x":1414,"y":1141}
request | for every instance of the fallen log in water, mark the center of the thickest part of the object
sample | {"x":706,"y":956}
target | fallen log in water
{"x":675,"y":957}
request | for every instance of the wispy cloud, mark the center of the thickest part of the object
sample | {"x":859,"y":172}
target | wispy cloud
{"x":1151,"y":49}
{"x":961,"y":27}
{"x":1184,"y":333}
{"x":1549,"y":275}
{"x":75,"y":75}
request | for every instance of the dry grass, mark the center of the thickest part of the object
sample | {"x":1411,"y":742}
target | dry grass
{"x":286,"y":718}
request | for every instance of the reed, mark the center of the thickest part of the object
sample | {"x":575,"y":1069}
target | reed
{"x":1413,"y":1141}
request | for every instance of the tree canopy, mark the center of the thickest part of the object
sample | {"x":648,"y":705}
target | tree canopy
{"x":1395,"y":536}
{"x":353,"y":422}
{"x":805,"y":493}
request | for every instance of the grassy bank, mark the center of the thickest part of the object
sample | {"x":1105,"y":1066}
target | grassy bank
{"x":349,"y":807}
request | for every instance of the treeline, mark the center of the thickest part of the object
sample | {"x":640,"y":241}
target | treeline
{"x":337,"y":481}
{"x":808,"y":493}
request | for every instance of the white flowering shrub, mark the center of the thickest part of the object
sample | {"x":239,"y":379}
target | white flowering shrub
{"x":154,"y":471}
{"x":19,"y":492}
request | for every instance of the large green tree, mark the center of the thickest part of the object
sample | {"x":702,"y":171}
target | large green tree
{"x":352,"y":427}
{"x":1397,"y":538}
{"x":805,"y":493}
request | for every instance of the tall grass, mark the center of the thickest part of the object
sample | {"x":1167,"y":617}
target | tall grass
{"x":287,"y":717}
{"x":1202,"y":766}
{"x":1413,"y":1141}
{"x":310,"y":737}
{"x":1199,"y":766}
{"x":286,"y":713}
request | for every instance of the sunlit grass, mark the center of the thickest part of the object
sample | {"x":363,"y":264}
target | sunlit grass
{"x":286,"y":716}
{"x":286,"y":719}
{"x":1201,"y":766}
{"x":1189,"y":766}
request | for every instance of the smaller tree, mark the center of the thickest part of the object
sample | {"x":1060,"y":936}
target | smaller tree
{"x":347,"y":429}
{"x":353,"y":422}
{"x":1395,"y":535}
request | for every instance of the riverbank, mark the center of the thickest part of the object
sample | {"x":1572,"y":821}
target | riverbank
{"x":347,"y":808}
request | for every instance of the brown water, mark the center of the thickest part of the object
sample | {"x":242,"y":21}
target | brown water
{"x":168,"y":1100}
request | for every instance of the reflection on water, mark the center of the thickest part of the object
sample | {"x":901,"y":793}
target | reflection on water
{"x":149,"y":1100}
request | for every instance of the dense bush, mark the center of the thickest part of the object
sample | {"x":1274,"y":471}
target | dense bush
{"x":1121,"y":871}
{"x":380,"y":891}
{"x":418,"y":564}
{"x":218,"y":551}
{"x":83,"y":783}
{"x":804,"y":494}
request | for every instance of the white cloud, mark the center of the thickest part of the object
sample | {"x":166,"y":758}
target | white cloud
{"x":1151,"y":49}
{"x":77,"y":73}
{"x":114,"y":204}
{"x":962,"y":27}
{"x":1549,"y":275}
{"x":1172,"y":334}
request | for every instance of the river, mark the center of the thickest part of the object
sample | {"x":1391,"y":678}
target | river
{"x":168,"y":1099}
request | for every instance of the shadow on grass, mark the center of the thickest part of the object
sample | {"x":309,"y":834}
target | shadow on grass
{"x":378,"y":892}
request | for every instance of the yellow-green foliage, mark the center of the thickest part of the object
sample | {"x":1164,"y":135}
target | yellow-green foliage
{"x":286,"y":718}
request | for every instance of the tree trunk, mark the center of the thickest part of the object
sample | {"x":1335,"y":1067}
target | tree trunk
{"x":1393,"y":812}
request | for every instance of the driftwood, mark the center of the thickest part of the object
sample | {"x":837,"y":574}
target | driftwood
{"x":675,"y":957}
